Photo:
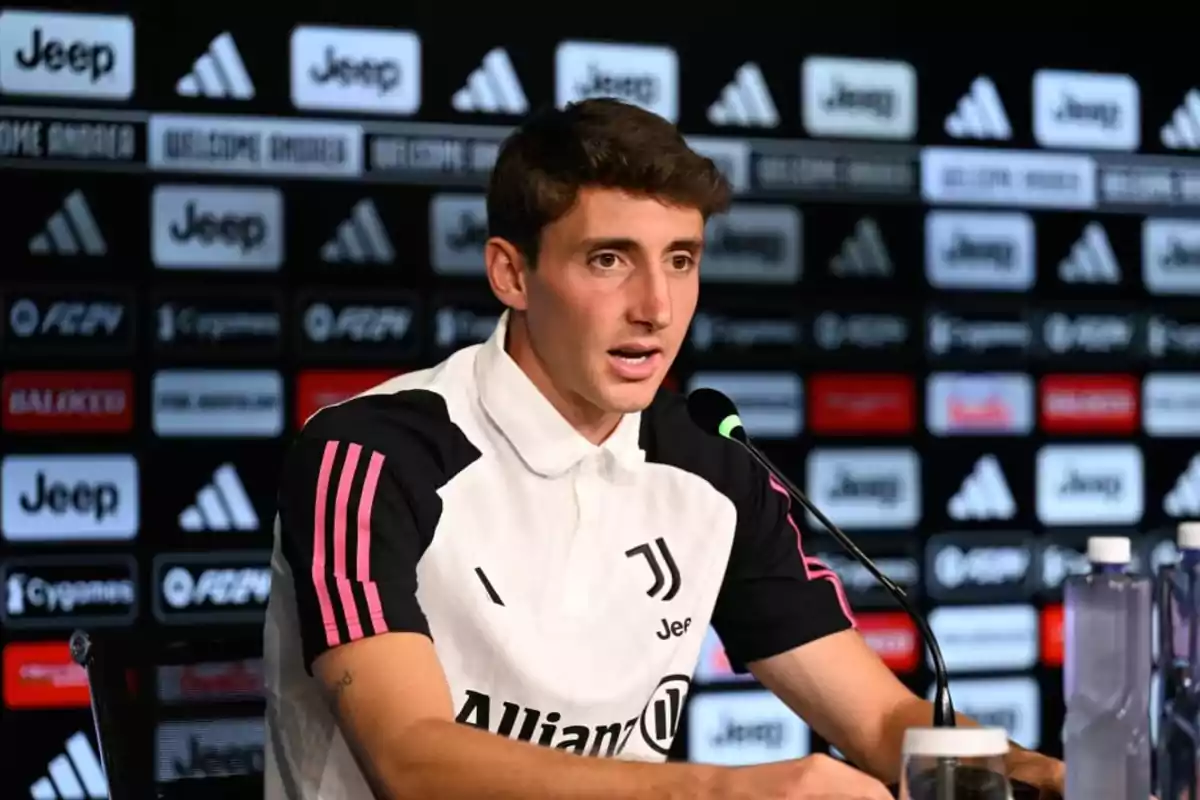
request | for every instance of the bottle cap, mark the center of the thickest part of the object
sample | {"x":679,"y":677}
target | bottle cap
{"x":1188,"y":536}
{"x":1109,"y":549}
{"x":956,"y":742}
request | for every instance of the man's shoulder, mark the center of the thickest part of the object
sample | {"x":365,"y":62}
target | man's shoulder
{"x":670,"y":436}
{"x":407,"y":419}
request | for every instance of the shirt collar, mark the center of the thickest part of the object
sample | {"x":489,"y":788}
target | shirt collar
{"x":542,"y":437}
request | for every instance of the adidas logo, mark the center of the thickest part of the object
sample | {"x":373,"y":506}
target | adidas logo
{"x":979,"y":113}
{"x":746,"y":101}
{"x":222,"y":505}
{"x":984,"y":494}
{"x":218,"y":73}
{"x":1183,"y":131}
{"x":73,"y":775}
{"x":492,"y":88}
{"x":863,"y":254}
{"x":1091,"y":259}
{"x":70,"y":230}
{"x":360,"y":238}
{"x":1184,"y":499}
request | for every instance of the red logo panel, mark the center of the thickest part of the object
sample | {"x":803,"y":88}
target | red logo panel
{"x":893,"y":636}
{"x":861,"y":403}
{"x":316,"y":389}
{"x":1089,"y":403}
{"x":43,"y":675}
{"x":1052,"y":636}
{"x":59,"y":402}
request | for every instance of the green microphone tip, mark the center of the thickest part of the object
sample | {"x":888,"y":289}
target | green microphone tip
{"x":729,"y":425}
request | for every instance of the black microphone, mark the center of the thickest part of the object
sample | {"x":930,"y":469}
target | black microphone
{"x":715,"y":413}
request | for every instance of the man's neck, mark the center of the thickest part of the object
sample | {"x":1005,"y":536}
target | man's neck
{"x":592,"y":423}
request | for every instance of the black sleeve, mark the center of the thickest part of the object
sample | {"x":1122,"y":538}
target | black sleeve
{"x":773,"y":597}
{"x":358,"y":506}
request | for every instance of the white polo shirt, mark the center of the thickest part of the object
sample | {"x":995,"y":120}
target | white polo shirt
{"x":566,"y":586}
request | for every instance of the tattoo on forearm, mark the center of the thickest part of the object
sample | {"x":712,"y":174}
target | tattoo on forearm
{"x":343,"y":683}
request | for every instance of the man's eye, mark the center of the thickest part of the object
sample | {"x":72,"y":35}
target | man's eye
{"x":683,"y":263}
{"x":605,"y":260}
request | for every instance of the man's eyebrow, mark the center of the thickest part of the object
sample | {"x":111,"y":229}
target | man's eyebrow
{"x":626,"y":245}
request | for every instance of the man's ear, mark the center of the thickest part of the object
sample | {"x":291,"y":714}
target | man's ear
{"x":506,"y":272}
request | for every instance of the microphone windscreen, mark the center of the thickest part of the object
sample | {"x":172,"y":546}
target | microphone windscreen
{"x":708,"y":408}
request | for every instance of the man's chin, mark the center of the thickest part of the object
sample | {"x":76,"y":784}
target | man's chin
{"x":630,"y":397}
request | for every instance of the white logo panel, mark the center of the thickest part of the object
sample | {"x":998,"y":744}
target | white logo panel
{"x":1171,"y":256}
{"x":769,"y":403}
{"x":217,"y":227}
{"x":979,"y":404}
{"x":753,"y":244}
{"x":742,"y":728}
{"x":1089,"y":484}
{"x":971,"y":250}
{"x":1171,"y":404}
{"x":69,"y":498}
{"x":985,"y":638}
{"x":858,"y":97}
{"x":66,"y":55}
{"x":866,"y":488}
{"x":366,"y":70}
{"x":1086,"y":110}
{"x":641,"y":74}
{"x":203,"y":403}
{"x":1014,"y":704}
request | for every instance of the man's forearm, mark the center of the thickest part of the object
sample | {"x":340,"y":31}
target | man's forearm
{"x":449,"y":761}
{"x":919,"y":714}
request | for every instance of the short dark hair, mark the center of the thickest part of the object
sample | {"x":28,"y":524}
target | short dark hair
{"x":599,"y":142}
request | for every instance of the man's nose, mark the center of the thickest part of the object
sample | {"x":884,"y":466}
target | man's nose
{"x":652,"y":299}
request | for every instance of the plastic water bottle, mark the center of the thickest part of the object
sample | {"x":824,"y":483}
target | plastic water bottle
{"x":1106,"y":737}
{"x":1178,"y":594}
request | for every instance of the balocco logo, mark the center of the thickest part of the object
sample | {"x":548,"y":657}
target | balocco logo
{"x":660,"y":718}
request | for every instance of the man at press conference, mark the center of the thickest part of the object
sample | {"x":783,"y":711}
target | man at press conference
{"x":492,"y":578}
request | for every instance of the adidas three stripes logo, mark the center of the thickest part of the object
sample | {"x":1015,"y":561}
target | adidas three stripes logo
{"x":979,"y":114}
{"x":222,"y":505}
{"x":75,"y":774}
{"x":218,"y":73}
{"x":984,"y":494}
{"x":1091,"y":259}
{"x":493,"y":88}
{"x":72,"y":230}
{"x":746,"y":102}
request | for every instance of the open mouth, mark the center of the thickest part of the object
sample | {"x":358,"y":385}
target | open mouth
{"x":634,"y":355}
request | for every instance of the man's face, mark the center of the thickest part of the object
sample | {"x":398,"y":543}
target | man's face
{"x":613,"y":294}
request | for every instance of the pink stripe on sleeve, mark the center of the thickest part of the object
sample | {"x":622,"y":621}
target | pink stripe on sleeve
{"x":363,"y":573}
{"x":821,"y":572}
{"x":318,"y":560}
{"x":345,"y":592}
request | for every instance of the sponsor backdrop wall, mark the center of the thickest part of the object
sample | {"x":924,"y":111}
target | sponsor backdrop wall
{"x":956,"y":299}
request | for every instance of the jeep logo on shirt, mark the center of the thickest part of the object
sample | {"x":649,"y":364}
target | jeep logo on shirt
{"x":980,"y":567}
{"x":217,"y":227}
{"x":66,"y":55}
{"x":644,"y":75}
{"x":212,"y":587}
